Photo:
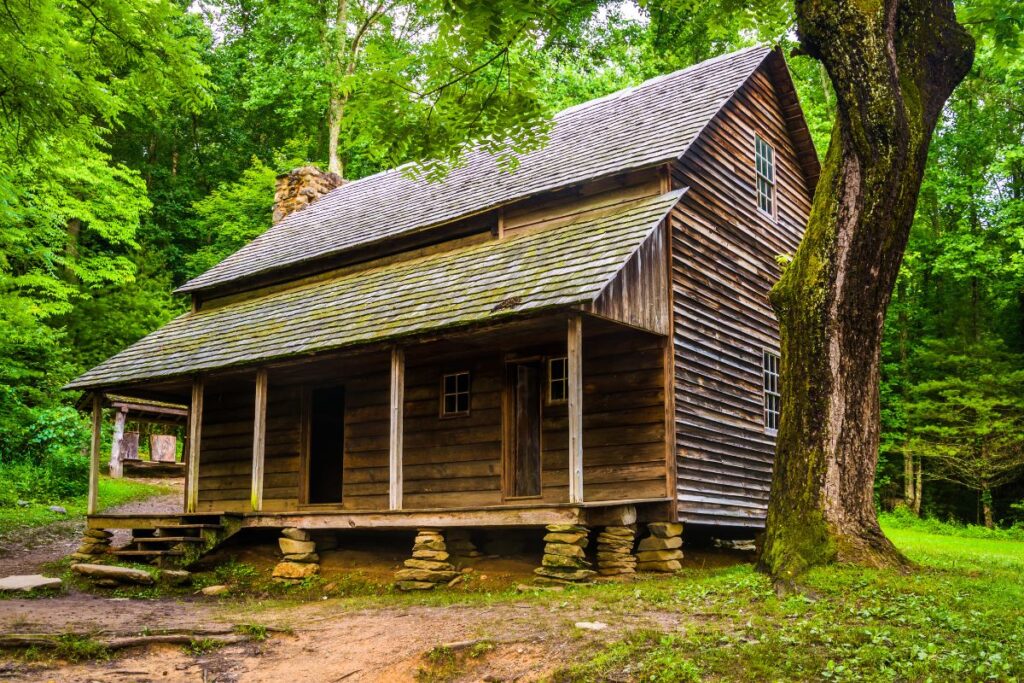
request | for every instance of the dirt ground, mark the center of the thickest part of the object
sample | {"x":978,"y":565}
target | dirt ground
{"x":328,"y":640}
{"x":29,"y":549}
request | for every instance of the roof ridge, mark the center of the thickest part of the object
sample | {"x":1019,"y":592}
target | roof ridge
{"x":628,"y":90}
{"x":629,"y":129}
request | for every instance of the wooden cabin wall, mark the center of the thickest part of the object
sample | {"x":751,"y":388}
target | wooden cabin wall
{"x":225,"y":463}
{"x":452,"y":461}
{"x":623,"y":422}
{"x":539,"y":213}
{"x":723,"y":263}
{"x":367,"y":424}
{"x":448,"y":461}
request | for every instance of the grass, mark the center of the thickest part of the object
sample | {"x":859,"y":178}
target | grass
{"x":957,"y":617}
{"x":112,"y":492}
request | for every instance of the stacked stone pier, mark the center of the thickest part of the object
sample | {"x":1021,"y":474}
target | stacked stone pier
{"x":565,"y":559}
{"x":662,"y":550}
{"x":461,"y":546}
{"x":300,"y":560}
{"x":429,"y":565}
{"x":615,"y":551}
{"x":95,"y":544}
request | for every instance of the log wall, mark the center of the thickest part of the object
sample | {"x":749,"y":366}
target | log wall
{"x":448,"y":461}
{"x":723,"y":266}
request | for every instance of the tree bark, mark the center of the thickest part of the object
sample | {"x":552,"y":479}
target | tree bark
{"x":336,"y":104}
{"x":918,"y":483}
{"x":893,"y":64}
{"x":986,"y":506}
{"x":908,"y":479}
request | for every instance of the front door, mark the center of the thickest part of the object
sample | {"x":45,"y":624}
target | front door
{"x":525,"y":398}
{"x":326,"y":445}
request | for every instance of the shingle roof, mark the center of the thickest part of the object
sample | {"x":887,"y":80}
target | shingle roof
{"x":526,"y":273}
{"x":633,"y":128}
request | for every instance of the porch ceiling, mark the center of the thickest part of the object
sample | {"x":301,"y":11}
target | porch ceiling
{"x":565,"y":266}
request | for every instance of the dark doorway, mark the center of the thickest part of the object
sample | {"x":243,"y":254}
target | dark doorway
{"x":326,"y":444}
{"x":525,"y":383}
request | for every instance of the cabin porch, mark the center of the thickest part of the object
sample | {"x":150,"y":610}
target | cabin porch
{"x":385,"y":438}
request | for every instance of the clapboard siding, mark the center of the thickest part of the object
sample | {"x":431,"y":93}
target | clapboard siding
{"x":723,"y":265}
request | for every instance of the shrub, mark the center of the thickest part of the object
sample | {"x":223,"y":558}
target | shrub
{"x":902,"y":518}
{"x":48,"y":462}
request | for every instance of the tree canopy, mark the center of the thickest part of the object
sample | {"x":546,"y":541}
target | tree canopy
{"x":139,"y":142}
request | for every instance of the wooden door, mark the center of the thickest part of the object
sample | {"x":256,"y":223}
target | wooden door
{"x":524,"y":465}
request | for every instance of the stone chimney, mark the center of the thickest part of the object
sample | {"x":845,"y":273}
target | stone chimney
{"x":300,"y":188}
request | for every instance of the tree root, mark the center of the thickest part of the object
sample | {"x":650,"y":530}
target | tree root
{"x":111,"y":642}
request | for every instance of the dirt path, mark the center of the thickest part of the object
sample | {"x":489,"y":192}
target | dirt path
{"x":25,"y":551}
{"x":524,"y":642}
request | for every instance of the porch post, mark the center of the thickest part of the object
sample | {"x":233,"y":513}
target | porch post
{"x":195,"y":423}
{"x":575,"y":369}
{"x":259,"y":439}
{"x":395,"y":437}
{"x":120,"y":417}
{"x":94,"y":452}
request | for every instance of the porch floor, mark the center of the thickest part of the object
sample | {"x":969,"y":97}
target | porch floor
{"x":597,"y":513}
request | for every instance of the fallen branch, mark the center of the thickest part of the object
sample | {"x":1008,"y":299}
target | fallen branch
{"x":221,"y":636}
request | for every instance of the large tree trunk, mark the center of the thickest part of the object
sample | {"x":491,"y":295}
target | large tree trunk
{"x":338,"y":99}
{"x":893,"y":64}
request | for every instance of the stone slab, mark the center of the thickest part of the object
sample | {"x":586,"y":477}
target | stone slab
{"x":295,"y":570}
{"x":656,"y":543}
{"x":659,"y":555}
{"x":295,"y":534}
{"x":430,"y":565}
{"x":28,"y":582}
{"x":292,"y":547}
{"x":120,"y":574}
{"x":667,"y":566}
{"x":665,"y":529}
{"x":302,"y":557}
{"x":566,"y":537}
{"x":564,"y":549}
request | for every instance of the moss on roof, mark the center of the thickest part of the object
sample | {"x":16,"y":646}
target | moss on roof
{"x":490,"y":281}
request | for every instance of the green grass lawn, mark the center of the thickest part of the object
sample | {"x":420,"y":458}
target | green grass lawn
{"x":112,"y":492}
{"x":959,"y":617}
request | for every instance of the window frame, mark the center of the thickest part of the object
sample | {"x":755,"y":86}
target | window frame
{"x":444,"y":394}
{"x":771,"y":391}
{"x":549,"y":396}
{"x":768,"y":176}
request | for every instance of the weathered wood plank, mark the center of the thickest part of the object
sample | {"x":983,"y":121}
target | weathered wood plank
{"x":259,"y":436}
{"x":195,"y":422}
{"x":396,"y":431}
{"x":94,"y":453}
{"x":575,"y":408}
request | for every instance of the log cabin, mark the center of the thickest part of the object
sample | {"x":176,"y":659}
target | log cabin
{"x":585,"y":340}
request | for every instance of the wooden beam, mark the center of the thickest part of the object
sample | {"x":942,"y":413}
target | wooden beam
{"x":259,"y":439}
{"x":195,"y":424}
{"x":575,"y":407}
{"x":395,"y":438}
{"x":120,"y":417}
{"x":412,"y":519}
{"x":94,"y":453}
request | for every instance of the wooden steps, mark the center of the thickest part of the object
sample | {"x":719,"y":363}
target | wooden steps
{"x":176,"y":539}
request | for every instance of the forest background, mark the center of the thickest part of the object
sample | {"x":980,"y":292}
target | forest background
{"x":140,"y":141}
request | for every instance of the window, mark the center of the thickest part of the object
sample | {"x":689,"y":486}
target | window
{"x":558,"y":380}
{"x":455,"y":394}
{"x":772,"y":397}
{"x":764,"y":162}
